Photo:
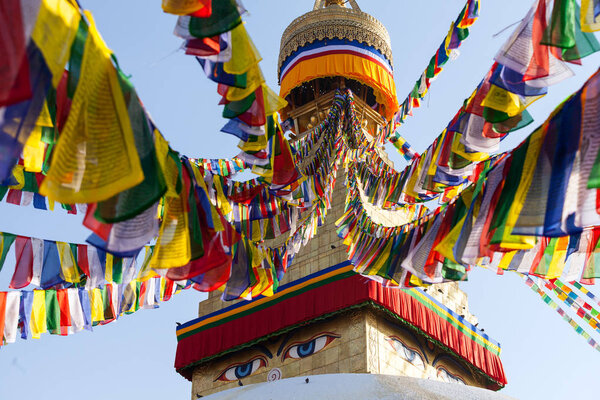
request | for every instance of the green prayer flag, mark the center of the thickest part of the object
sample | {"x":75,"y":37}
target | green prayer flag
{"x":236,"y":108}
{"x":585,"y":43}
{"x":117,"y":272}
{"x":225,"y":16}
{"x":7,"y":239}
{"x":52,"y":311}
{"x":561,"y":30}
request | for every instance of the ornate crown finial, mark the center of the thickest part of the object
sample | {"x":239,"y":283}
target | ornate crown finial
{"x":326,"y":3}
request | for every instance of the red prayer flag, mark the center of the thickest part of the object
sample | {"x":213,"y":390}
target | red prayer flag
{"x":82,"y":259}
{"x":14,"y":65}
{"x":90,"y":222}
{"x":539,"y":65}
{"x":65,"y":311}
{"x":24,"y":268}
{"x":14,"y":197}
{"x":205,"y":11}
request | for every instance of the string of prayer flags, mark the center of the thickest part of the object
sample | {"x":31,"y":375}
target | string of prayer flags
{"x":66,"y":311}
{"x":498,"y":105}
{"x":492,"y":218}
{"x":448,"y":50}
{"x":403,"y":147}
{"x":550,"y":302}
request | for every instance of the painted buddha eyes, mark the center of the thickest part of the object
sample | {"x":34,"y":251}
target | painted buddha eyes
{"x":409,"y":354}
{"x":309,"y":347}
{"x":446,"y":376}
{"x":239,"y":371}
{"x":297,"y":350}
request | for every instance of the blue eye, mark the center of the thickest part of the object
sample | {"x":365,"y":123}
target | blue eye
{"x":309,"y":347}
{"x":240,"y":371}
{"x":405,"y":352}
{"x":409,"y":354}
{"x":243,"y":370}
{"x":306,"y":349}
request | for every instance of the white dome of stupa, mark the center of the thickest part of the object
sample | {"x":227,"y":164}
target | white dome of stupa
{"x":356,"y":386}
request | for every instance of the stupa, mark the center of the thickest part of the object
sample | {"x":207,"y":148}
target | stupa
{"x":324,"y":318}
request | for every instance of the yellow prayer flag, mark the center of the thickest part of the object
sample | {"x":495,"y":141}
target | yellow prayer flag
{"x":273,"y":102}
{"x":503,"y":100}
{"x":167,"y":164}
{"x":243,"y":53}
{"x":589,"y":23}
{"x":68,"y":265}
{"x":254,"y":79}
{"x":96,"y":305}
{"x":95,"y":157}
{"x":559,"y":258}
{"x":173,"y":247}
{"x":181,"y":7}
{"x":108,"y":268}
{"x":19,"y":176}
{"x":33,"y":152}
{"x":38,"y":314}
{"x":257,"y":145}
{"x":54,"y":32}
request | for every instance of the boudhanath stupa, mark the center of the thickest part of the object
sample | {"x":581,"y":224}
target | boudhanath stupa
{"x":324,"y":318}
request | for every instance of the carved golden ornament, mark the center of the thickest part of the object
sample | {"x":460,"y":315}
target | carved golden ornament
{"x":334,"y":22}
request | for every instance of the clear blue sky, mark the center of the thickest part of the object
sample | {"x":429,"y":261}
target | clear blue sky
{"x":133,"y":357}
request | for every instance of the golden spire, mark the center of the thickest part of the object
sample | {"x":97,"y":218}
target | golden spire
{"x":342,"y":3}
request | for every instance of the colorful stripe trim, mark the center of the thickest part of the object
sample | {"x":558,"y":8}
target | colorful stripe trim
{"x":322,"y":48}
{"x":320,"y":278}
{"x":456,"y":320}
